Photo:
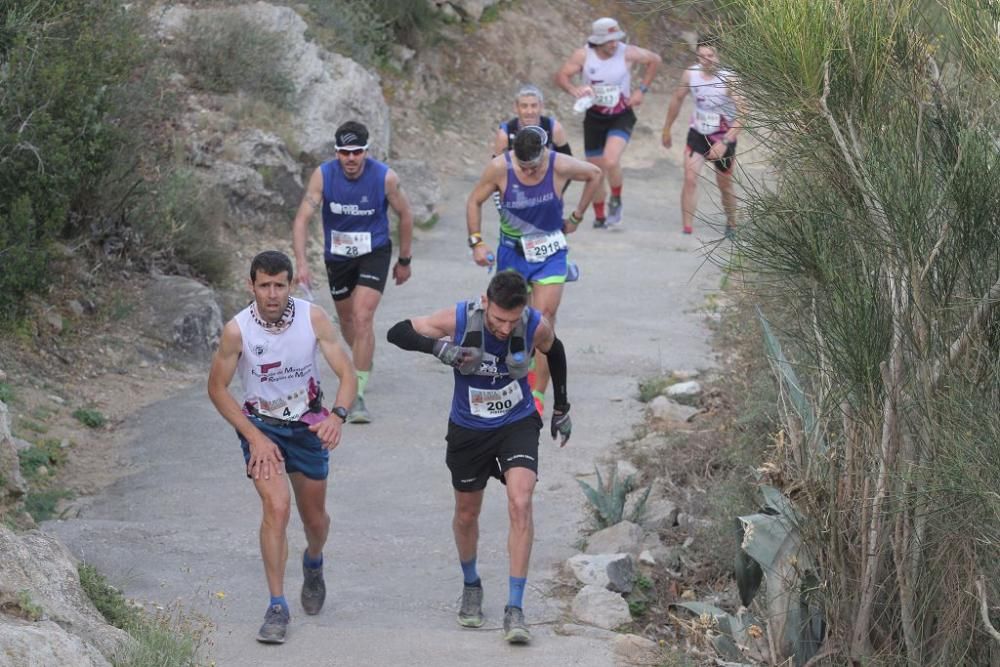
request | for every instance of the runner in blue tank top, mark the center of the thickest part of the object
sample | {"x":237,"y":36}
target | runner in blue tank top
{"x":532,"y":230}
{"x":355,"y":192}
{"x":493,"y":429}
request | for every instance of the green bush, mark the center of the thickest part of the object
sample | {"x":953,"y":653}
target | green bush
{"x":41,"y":505}
{"x":90,"y":417}
{"x":69,"y":123}
{"x":366,"y":30}
{"x":227,"y":53}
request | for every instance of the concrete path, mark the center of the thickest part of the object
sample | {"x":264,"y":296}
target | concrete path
{"x":184,"y":526}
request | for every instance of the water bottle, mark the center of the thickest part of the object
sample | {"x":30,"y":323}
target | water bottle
{"x":492,"y":260}
{"x":517,"y":357}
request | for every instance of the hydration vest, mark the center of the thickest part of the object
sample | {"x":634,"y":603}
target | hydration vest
{"x":517,"y":360}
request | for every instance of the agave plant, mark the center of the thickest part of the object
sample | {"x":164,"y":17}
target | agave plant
{"x":608,"y":500}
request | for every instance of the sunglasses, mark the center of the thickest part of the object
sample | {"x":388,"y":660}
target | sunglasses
{"x":351,"y":151}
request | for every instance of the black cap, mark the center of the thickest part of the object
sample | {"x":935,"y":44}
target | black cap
{"x":351,"y":134}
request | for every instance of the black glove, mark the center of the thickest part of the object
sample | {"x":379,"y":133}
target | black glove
{"x":453,"y":355}
{"x":561,"y":424}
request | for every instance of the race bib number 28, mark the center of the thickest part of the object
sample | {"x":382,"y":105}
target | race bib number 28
{"x":350,"y":244}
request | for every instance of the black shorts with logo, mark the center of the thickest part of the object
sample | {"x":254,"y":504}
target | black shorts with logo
{"x":700,"y":143}
{"x":474,"y":455}
{"x":370,"y":270}
{"x":598,"y":127}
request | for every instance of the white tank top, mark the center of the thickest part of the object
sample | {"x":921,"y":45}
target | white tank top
{"x":278,"y":371}
{"x":610,"y":80}
{"x":713,"y":108}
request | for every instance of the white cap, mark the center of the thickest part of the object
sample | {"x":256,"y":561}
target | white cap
{"x":604,"y":30}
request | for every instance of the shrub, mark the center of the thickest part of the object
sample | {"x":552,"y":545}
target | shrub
{"x":228,"y":53}
{"x":90,"y":417}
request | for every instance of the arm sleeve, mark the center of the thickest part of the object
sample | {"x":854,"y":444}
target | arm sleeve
{"x":557,"y":369}
{"x":403,"y":335}
{"x":564,"y":149}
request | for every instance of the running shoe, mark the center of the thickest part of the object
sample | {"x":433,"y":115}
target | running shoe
{"x":515,"y":630}
{"x":572,"y":272}
{"x":470,"y":614}
{"x":600,"y":223}
{"x":358,"y":413}
{"x":614,"y":212}
{"x":275,"y":625}
{"x":313,"y":589}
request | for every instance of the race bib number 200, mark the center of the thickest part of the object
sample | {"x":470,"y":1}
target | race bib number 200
{"x":494,"y":403}
{"x":350,"y":244}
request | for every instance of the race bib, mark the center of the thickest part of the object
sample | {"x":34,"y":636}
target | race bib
{"x":706,"y":122}
{"x":289,"y":408}
{"x":350,"y":244}
{"x":606,"y":95}
{"x":539,"y":247}
{"x":494,"y":403}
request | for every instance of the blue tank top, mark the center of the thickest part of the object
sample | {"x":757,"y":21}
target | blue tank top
{"x":354,"y":206}
{"x":483,"y":401}
{"x":531,"y":209}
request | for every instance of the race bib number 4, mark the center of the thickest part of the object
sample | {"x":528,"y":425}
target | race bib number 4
{"x":539,"y":247}
{"x":706,"y":122}
{"x":350,"y":244}
{"x":494,"y":403}
{"x":606,"y":95}
{"x":289,"y":408}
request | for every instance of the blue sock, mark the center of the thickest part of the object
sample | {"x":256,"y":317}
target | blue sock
{"x":310,"y":562}
{"x":516,"y":592}
{"x":279,"y":600}
{"x":469,"y":572}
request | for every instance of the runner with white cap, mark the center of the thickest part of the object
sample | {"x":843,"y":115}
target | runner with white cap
{"x":355,"y":192}
{"x":604,"y":65}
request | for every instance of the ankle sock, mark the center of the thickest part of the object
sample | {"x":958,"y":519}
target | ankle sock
{"x":616,"y":193}
{"x":279,"y":600}
{"x":362,"y":381}
{"x":599,"y":210}
{"x":310,"y":562}
{"x":469,"y":573}
{"x":516,"y":596}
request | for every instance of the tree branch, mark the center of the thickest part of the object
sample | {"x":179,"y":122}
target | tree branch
{"x":983,"y":310}
{"x":985,"y":610}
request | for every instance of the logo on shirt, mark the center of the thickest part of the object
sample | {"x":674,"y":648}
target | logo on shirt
{"x":259,"y":349}
{"x":350,"y":209}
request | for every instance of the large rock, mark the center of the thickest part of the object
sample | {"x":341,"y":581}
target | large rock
{"x":635,"y":650}
{"x":185,"y":314}
{"x":623,"y":537}
{"x":267,"y":154}
{"x":660,"y":515}
{"x":248,"y":198}
{"x":12,"y":484}
{"x":471,"y":10}
{"x":38,"y":566}
{"x":663,"y":408}
{"x":329,"y":88}
{"x":684,"y":390}
{"x":44,"y":644}
{"x":420,"y":186}
{"x":598,"y":606}
{"x":616,"y":572}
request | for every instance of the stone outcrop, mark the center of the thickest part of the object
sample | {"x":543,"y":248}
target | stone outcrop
{"x":44,"y":605}
{"x":598,"y":606}
{"x":623,"y":537}
{"x":184,"y":314}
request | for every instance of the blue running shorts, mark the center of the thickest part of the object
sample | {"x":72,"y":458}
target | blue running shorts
{"x":302,"y":449}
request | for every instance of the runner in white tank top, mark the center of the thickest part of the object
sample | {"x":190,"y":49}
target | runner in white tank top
{"x":604,"y":66}
{"x":716,"y":121}
{"x":282,"y":424}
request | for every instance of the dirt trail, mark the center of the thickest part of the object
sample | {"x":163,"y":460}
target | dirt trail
{"x":183,"y":527}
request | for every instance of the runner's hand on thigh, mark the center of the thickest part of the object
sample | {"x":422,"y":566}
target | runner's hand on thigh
{"x":328,"y":431}
{"x":265,"y":458}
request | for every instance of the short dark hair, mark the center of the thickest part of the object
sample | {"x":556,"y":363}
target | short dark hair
{"x":351,"y":133}
{"x":711,"y":41}
{"x":272,"y":263}
{"x":508,"y":290}
{"x":528,"y":144}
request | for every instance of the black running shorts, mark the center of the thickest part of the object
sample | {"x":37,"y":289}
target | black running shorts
{"x":598,"y":127}
{"x":474,"y":455}
{"x":699,"y":143}
{"x":370,"y":270}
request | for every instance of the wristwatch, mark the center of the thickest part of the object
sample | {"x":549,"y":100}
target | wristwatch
{"x":405,"y":261}
{"x":475,"y":239}
{"x":340,"y":411}
{"x":643,"y":88}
